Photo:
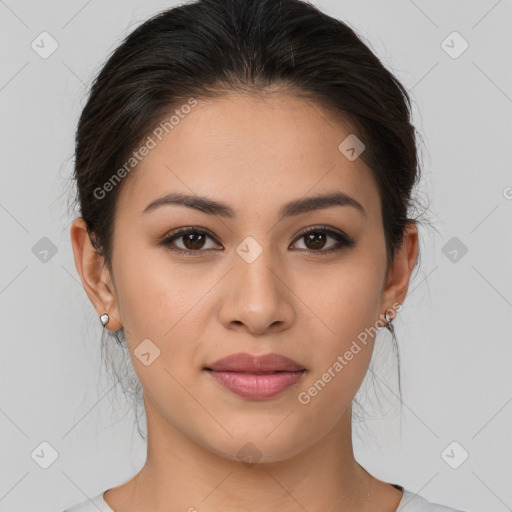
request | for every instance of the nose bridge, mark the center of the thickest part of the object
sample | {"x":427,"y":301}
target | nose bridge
{"x":254,"y":268}
{"x":258,"y":296}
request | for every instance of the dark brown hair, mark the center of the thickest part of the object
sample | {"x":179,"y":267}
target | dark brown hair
{"x":207,"y":48}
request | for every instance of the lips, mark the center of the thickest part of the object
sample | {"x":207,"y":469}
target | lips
{"x":244,"y":362}
{"x":256,"y":377}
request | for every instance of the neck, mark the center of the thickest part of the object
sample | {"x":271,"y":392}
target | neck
{"x":188,"y":476}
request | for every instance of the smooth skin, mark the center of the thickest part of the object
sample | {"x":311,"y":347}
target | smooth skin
{"x":253,"y":154}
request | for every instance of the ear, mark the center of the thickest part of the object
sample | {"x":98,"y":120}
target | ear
{"x":94,"y":274}
{"x":397,"y":279}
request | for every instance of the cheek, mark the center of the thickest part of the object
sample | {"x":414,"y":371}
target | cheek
{"x":160,"y":304}
{"x":346,"y":298}
{"x":344,"y":306}
{"x":149,"y":298}
{"x":342,"y":352}
{"x":158,"y":308}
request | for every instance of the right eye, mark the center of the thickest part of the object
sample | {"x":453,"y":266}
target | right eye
{"x":193,"y":240}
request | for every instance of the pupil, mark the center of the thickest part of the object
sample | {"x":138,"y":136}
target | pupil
{"x":190,"y":238}
{"x":317,"y":239}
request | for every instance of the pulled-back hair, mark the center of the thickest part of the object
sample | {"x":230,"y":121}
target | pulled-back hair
{"x":207,"y":48}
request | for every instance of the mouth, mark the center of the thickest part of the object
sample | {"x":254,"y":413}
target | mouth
{"x":256,"y":377}
{"x":256,"y":386}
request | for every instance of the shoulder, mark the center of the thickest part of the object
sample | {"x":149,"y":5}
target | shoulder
{"x":415,"y":503}
{"x":91,"y":505}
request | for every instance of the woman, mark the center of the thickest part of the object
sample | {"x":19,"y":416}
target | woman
{"x":244,"y":172}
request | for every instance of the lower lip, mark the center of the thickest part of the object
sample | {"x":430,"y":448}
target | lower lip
{"x":254,"y":386}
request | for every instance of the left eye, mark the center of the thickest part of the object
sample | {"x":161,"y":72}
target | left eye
{"x":194,"y":239}
{"x":315,"y":237}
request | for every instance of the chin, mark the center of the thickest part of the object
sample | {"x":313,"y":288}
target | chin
{"x":257,"y":449}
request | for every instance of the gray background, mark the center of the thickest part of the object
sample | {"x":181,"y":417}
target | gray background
{"x":454,"y":330}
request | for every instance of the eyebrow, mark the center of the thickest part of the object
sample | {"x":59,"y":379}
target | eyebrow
{"x":290,"y":209}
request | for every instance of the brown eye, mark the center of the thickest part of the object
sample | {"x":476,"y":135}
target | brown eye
{"x":316,"y":238}
{"x":192,"y":239}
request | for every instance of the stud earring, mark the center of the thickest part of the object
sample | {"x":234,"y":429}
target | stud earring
{"x":389,"y":319}
{"x":104,"y":319}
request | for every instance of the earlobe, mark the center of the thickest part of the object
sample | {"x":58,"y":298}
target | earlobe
{"x":94,"y":274}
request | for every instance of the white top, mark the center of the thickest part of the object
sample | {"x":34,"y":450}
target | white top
{"x":410,"y":502}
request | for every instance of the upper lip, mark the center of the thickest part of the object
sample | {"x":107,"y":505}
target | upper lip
{"x":244,"y":362}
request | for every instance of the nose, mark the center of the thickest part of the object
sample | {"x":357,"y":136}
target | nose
{"x":256,"y":297}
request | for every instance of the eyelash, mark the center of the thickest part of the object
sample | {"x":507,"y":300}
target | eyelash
{"x":342,"y":239}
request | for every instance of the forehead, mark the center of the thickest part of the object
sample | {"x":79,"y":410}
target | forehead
{"x":254,"y":153}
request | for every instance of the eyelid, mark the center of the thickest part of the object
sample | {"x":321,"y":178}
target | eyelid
{"x":189,"y":229}
{"x":344,"y":241}
{"x":340,"y":236}
{"x":176,"y":234}
{"x":326,"y":229}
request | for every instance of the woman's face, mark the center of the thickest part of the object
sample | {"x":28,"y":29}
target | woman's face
{"x":254,"y":283}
